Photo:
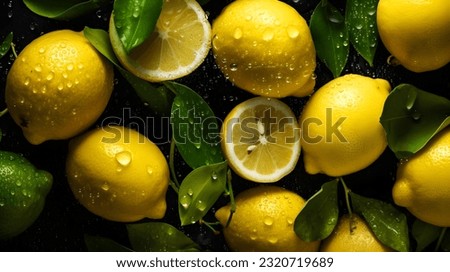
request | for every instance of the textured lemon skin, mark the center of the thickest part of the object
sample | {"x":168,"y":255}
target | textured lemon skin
{"x":416,"y":32}
{"x":265,"y":47}
{"x":118,"y":174}
{"x":352,"y":235}
{"x":264,"y":220}
{"x":341,"y":132}
{"x":423,"y":182}
{"x":58,"y":86}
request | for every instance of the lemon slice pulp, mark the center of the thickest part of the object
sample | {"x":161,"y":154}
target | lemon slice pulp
{"x":179,"y":44}
{"x":261,"y":139}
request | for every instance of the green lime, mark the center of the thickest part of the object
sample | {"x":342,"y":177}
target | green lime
{"x":23,"y":190}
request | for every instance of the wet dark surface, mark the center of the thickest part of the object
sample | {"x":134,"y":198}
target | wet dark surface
{"x":63,"y":223}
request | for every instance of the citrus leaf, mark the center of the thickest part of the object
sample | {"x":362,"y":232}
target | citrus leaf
{"x":135,"y":20}
{"x":199,"y":191}
{"x":103,"y":244}
{"x":158,"y":237}
{"x":195,"y":127}
{"x":159,"y":99}
{"x":64,"y":10}
{"x":6,"y":45}
{"x":411,"y":117}
{"x":387,"y":223}
{"x":360,"y":17}
{"x":330,"y":36}
{"x":318,"y":218}
{"x":424,"y":234}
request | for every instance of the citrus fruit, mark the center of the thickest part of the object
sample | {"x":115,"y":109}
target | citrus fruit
{"x":58,"y":86}
{"x":352,"y":234}
{"x":23,"y":190}
{"x":260,"y":139}
{"x":179,"y":44}
{"x":423,"y":182}
{"x":265,"y":47}
{"x":341,"y":131}
{"x":416,"y":33}
{"x":264,"y":221}
{"x":118,"y":174}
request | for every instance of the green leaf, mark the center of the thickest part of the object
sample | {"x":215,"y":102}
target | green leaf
{"x":330,"y":36}
{"x":424,"y":234}
{"x":361,"y":20}
{"x":195,"y":127}
{"x":64,"y":10}
{"x":135,"y":20}
{"x":6,"y":45}
{"x":159,"y":99}
{"x":159,"y":237}
{"x":411,"y":117}
{"x":387,"y":223}
{"x":102,"y":244}
{"x":318,"y":218}
{"x":200,"y":190}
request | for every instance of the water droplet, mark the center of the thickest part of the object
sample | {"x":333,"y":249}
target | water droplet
{"x":38,"y":68}
{"x":2,"y":204}
{"x":272,"y":240}
{"x":60,"y":87}
{"x":50,"y":76}
{"x":411,"y":99}
{"x":359,"y":27}
{"x":293,"y":32}
{"x":237,"y":33}
{"x":190,"y":192}
{"x":201,"y":206}
{"x":123,"y":158}
{"x":42,"y":50}
{"x":70,"y":67}
{"x":105,"y":187}
{"x":268,"y":221}
{"x":27,"y":81}
{"x":19,"y":183}
{"x":416,"y":115}
{"x":149,"y":170}
{"x":290,"y":221}
{"x":268,"y":35}
{"x":233,"y":67}
{"x":335,"y":17}
{"x":185,"y":201}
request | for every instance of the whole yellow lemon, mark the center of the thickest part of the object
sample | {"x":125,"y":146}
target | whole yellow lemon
{"x":352,"y":234}
{"x":423,"y":182}
{"x":341,"y":131}
{"x":58,"y":86}
{"x":264,"y":221}
{"x":416,"y":32}
{"x":118,"y":174}
{"x":265,"y":47}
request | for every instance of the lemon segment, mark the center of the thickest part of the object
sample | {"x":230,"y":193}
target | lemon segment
{"x":260,"y":139}
{"x":179,"y":44}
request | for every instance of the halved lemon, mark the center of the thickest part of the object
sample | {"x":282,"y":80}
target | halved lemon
{"x":261,"y":139}
{"x":179,"y":44}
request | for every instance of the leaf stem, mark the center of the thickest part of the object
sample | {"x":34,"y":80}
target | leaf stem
{"x":210,"y":225}
{"x":174,"y":183}
{"x":440,"y":239}
{"x":13,"y":49}
{"x":347,"y":196}
{"x":232,"y":202}
{"x":3,"y":112}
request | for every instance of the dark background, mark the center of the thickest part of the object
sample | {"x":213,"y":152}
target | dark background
{"x":63,"y":222}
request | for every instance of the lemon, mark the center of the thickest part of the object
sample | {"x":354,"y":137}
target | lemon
{"x":423,"y":182}
{"x":260,"y":139}
{"x":58,"y":86}
{"x":179,"y":44}
{"x":341,"y":132}
{"x":118,"y":174}
{"x":265,"y":47}
{"x":23,"y":190}
{"x":416,"y":33}
{"x":264,"y":221}
{"x":352,"y":234}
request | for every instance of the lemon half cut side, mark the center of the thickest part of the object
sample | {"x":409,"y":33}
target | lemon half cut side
{"x":179,"y":44}
{"x":260,"y":139}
